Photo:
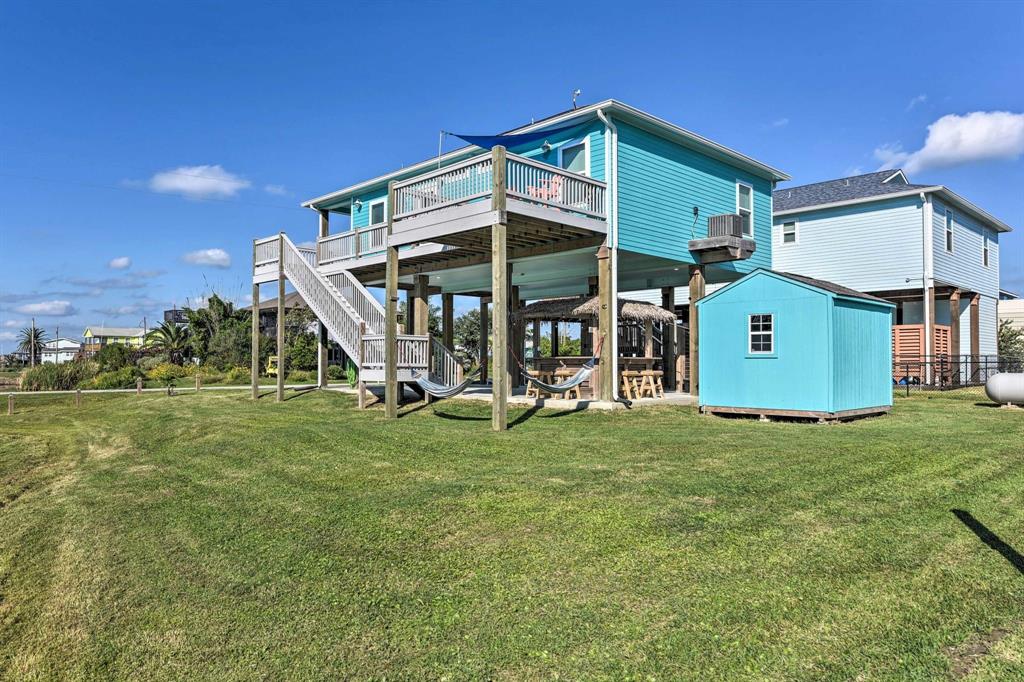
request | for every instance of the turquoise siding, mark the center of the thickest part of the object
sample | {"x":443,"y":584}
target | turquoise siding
{"x":862,"y":352}
{"x":361,"y":217}
{"x":871,"y":247}
{"x":593,"y":131}
{"x":964,"y":267}
{"x":830,"y":353}
{"x":659,"y":184}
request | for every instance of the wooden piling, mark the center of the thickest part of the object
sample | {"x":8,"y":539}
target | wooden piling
{"x":499,"y":295}
{"x":280,"y":319}
{"x":391,"y":387}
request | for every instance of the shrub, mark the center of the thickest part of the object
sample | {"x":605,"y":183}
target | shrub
{"x":335,"y":372}
{"x":64,"y":377}
{"x":150,"y":362}
{"x":351,"y":374}
{"x":120,"y":378}
{"x":166,"y":371}
{"x":302,"y":377}
{"x":113,"y":356}
{"x":239,"y":375}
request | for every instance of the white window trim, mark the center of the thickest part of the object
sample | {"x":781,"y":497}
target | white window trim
{"x":948,"y":233}
{"x":369,"y":212}
{"x":750,"y":335}
{"x":986,"y":249}
{"x":585,"y":141}
{"x":796,"y":232}
{"x":739,"y":183}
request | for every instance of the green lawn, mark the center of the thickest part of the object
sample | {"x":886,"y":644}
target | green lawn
{"x":202,"y":537}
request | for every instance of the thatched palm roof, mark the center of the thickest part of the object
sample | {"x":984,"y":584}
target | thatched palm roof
{"x":577,"y":308}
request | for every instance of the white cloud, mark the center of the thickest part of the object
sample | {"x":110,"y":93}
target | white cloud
{"x":121,"y":310}
{"x":14,"y":324}
{"x":914,"y":101}
{"x":276,"y":190}
{"x":54,"y":308}
{"x":853,"y":170}
{"x":199,"y":182}
{"x":780,"y":122}
{"x":8,"y":336}
{"x":120,"y":263}
{"x":954,"y":140}
{"x":218,"y":258}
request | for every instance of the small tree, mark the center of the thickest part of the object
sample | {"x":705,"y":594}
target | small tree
{"x":466,"y":334}
{"x":32,"y":340}
{"x":171,"y":339}
{"x":113,"y":356}
{"x":1011,"y":341}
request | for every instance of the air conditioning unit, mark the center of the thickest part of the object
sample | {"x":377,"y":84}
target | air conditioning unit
{"x":725,"y":225}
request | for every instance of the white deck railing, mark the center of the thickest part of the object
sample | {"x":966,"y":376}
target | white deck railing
{"x":525,"y":179}
{"x":413,"y":352}
{"x":445,"y":367}
{"x":352,"y":244}
{"x":355,"y":294}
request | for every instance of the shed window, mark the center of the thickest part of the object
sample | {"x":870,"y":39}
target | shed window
{"x":789,"y":233}
{"x":377,"y":213}
{"x":573,"y":157}
{"x":949,"y":231}
{"x":745,"y":207}
{"x":762,"y":335}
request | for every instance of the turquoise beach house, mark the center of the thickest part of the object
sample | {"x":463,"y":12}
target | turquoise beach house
{"x":587,"y":202}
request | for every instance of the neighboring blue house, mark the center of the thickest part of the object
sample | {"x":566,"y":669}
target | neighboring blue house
{"x":922,"y":247}
{"x":782,"y":344}
{"x":604,"y":183}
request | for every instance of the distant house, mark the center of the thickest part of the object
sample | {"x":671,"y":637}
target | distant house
{"x":97,"y":337}
{"x":60,"y":350}
{"x":268,"y":310}
{"x":1011,"y":308}
{"x":924,"y":248}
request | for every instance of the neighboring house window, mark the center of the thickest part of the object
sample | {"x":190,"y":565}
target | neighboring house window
{"x":762,"y":335}
{"x":789,"y":233}
{"x":984,"y":248}
{"x":377,"y":213}
{"x":949,"y":231}
{"x":575,"y":157}
{"x":745,"y":207}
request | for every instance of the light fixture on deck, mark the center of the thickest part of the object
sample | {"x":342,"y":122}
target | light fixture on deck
{"x":358,"y":205}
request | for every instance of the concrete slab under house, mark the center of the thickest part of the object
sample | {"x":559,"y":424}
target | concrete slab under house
{"x":588,"y":202}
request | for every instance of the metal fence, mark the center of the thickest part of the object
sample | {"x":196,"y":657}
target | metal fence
{"x":966,"y":373}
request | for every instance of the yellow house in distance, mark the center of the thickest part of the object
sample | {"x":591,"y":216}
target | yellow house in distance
{"x":97,"y":337}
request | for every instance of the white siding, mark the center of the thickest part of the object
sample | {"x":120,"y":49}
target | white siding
{"x":987,"y":326}
{"x":868,"y":247}
{"x":963,"y":267}
{"x":1012,"y":311}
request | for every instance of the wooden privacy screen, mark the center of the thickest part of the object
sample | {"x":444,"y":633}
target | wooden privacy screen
{"x":908,"y":340}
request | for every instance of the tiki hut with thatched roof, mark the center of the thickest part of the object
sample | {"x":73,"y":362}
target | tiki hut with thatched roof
{"x":585,"y":308}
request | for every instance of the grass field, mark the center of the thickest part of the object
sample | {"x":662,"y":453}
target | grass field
{"x":207,"y":537}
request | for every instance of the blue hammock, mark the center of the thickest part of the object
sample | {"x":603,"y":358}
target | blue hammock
{"x":572,"y":382}
{"x":441,"y":390}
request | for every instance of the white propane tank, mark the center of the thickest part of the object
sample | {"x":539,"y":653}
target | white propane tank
{"x":1006,"y":388}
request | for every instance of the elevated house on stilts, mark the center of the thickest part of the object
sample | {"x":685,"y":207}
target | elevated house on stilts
{"x":588,"y":202}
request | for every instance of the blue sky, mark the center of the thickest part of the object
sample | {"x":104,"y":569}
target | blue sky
{"x":168,"y":135}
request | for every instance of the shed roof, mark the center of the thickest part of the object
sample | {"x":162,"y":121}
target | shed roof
{"x":830,"y":288}
{"x":586,"y":308}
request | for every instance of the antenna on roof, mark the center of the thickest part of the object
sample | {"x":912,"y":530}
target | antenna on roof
{"x":575,"y":93}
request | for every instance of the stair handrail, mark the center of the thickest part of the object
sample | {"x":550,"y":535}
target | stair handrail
{"x":365,"y":304}
{"x":445,"y":366}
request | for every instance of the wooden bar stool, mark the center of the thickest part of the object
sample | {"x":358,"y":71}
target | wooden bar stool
{"x":651,"y":383}
{"x":563,"y":373}
{"x":630,"y":387}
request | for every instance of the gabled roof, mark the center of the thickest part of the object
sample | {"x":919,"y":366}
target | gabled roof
{"x":829,"y":288}
{"x":869,"y":187}
{"x":843,"y":189}
{"x":116,"y":331}
{"x":610,"y":106}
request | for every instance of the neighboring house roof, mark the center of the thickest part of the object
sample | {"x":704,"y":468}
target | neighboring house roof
{"x":114,"y":331}
{"x":842,"y":189}
{"x":1007,"y":295}
{"x":869,"y":187}
{"x":61,"y":343}
{"x":820,"y":284}
{"x":622,"y":111}
{"x":291,"y":300}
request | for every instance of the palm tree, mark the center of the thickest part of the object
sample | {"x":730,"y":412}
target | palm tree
{"x":32,"y":340}
{"x":172,"y":339}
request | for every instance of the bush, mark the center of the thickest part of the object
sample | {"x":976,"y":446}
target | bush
{"x":113,"y":356}
{"x":165,"y":372}
{"x":121,"y":378}
{"x":239,"y":375}
{"x":335,"y":372}
{"x":64,"y":377}
{"x":351,"y":374}
{"x":302,"y":377}
{"x":148,"y":363}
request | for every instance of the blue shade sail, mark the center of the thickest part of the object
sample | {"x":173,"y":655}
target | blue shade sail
{"x":491,"y":141}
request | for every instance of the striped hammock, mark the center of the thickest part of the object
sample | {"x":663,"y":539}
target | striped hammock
{"x":441,"y":390}
{"x":572,"y":382}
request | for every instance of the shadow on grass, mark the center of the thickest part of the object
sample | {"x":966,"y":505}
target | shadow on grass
{"x":1015,"y":558}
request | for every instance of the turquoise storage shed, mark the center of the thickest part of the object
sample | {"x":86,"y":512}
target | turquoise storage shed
{"x":778,"y":344}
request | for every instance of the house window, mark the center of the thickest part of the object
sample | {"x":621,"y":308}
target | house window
{"x":745,"y":207}
{"x":949,"y":231}
{"x":762,"y":335}
{"x":984,"y":249}
{"x":789,"y":233}
{"x":377,"y":213}
{"x":575,"y":157}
